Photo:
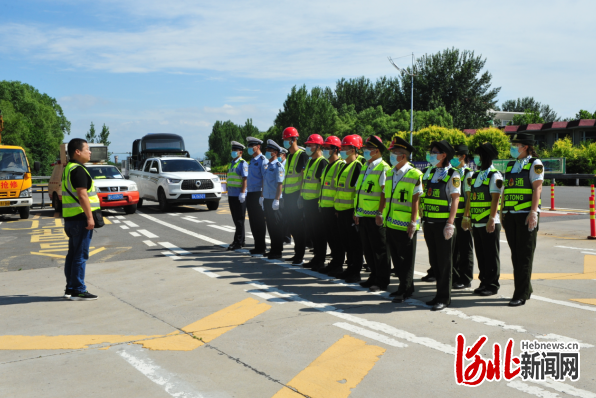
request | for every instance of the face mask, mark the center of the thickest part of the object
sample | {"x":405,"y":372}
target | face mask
{"x":344,"y":154}
{"x":393,"y":158}
{"x":514,"y":151}
{"x":308,"y":151}
{"x":326,"y":153}
{"x":454,"y":162}
{"x":251,"y":151}
{"x":234,"y":154}
{"x":428,"y":156}
{"x":287,"y":144}
{"x":268,"y":155}
{"x":477,"y":160}
{"x":367,"y":154}
{"x":433,"y":160}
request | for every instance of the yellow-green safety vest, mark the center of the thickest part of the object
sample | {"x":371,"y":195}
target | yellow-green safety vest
{"x":518,"y":188}
{"x":234,"y":179}
{"x":480,"y":198}
{"x":397,"y":213}
{"x":344,"y":193}
{"x":368,"y":191}
{"x":70,"y":206}
{"x":293,"y":179}
{"x":436,"y":201}
{"x":311,"y":185}
{"x":461,"y":208}
{"x":328,"y":189}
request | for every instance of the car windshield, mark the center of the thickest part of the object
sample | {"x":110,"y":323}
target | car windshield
{"x":13,"y":164}
{"x":174,"y":165}
{"x":106,"y":172}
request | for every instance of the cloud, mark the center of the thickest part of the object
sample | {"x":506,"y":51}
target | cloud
{"x":83,"y":102}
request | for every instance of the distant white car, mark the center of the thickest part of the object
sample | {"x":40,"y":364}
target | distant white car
{"x":176,"y":181}
{"x":113,"y":189}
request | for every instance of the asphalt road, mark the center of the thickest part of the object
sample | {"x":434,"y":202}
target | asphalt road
{"x":266,"y":328}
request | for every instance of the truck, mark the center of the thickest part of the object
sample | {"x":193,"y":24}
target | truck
{"x":165,"y":173}
{"x":15,"y":179}
{"x":113,"y":189}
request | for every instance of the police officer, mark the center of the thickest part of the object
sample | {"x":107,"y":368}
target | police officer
{"x":237,"y":175}
{"x":441,"y":196}
{"x":399,"y":205}
{"x":309,"y":200}
{"x":520,"y":211}
{"x":293,"y":170}
{"x":345,"y":186}
{"x":482,"y":217}
{"x":256,"y":215}
{"x":463,"y":254}
{"x":287,"y":234}
{"x":271,"y":199}
{"x":369,"y":189}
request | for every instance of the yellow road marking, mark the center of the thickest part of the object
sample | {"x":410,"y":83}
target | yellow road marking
{"x":96,"y":251}
{"x":589,"y":272}
{"x":48,"y":255}
{"x":34,"y":225}
{"x":333,"y":374}
{"x":116,"y":252}
{"x":585,"y":301}
{"x":107,"y":221}
{"x":204,"y":331}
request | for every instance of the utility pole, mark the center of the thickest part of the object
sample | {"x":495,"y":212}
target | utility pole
{"x":411,"y":96}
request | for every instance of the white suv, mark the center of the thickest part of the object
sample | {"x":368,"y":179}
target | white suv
{"x":176,"y":181}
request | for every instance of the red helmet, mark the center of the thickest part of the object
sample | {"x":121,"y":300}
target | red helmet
{"x":289,"y":132}
{"x":354,"y":140}
{"x":333,"y":140}
{"x":313,"y":139}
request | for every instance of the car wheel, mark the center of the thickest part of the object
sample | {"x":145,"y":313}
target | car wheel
{"x":213,"y":205}
{"x":140,"y":204}
{"x":24,"y":212}
{"x":131,"y":209}
{"x":163,"y":203}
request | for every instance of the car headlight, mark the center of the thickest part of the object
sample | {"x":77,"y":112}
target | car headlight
{"x":25,"y":194}
{"x":216,"y":179}
{"x":172,"y":181}
{"x":133,"y":187}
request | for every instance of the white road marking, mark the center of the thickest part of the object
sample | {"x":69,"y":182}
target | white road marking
{"x":147,"y":233}
{"x":169,"y":254}
{"x":537,"y":391}
{"x":174,"y":248}
{"x":179,"y":229}
{"x":171,"y":383}
{"x":120,"y":217}
{"x":556,"y":337}
{"x":370,"y":334}
{"x":223,"y":228}
{"x":565,"y":303}
{"x":575,"y":248}
{"x":205,"y":271}
{"x":110,"y":216}
{"x":124,"y":227}
{"x":564,"y":388}
{"x":592,"y":253}
{"x":131,"y":224}
{"x":193,"y":219}
{"x":266,"y":296}
{"x":149,"y":243}
{"x":136,"y":235}
{"x":116,"y":221}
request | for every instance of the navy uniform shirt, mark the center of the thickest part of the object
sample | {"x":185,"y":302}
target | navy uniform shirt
{"x":255,"y":173}
{"x":273,"y":175}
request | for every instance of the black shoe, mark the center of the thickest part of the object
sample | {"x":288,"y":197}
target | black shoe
{"x":487,"y":292}
{"x":428,"y":278}
{"x":352,"y":279}
{"x":395,"y":294}
{"x":274,"y":256}
{"x":85,"y":296}
{"x":297,"y":262}
{"x":291,"y":259}
{"x":68,"y":293}
{"x":458,"y":286}
{"x":400,"y":298}
{"x":517,"y":302}
{"x":313,"y":264}
{"x":479,"y":290}
{"x":343,"y":275}
{"x":366,"y":284}
{"x":375,"y":288}
{"x":432,"y":302}
{"x":235,"y":246}
{"x":335,"y":272}
{"x":256,"y":252}
{"x":439,"y":307}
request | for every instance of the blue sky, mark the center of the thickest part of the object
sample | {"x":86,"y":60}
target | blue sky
{"x":146,"y":66}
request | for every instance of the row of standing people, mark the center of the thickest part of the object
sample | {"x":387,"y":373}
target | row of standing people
{"x":361,"y":206}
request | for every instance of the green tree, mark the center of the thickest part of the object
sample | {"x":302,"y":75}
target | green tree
{"x":222,"y":134}
{"x":493,"y":135}
{"x":34,"y":121}
{"x":523,"y":104}
{"x":90,"y":136}
{"x":424,"y":137}
{"x":453,"y":79}
{"x":530,"y":116}
{"x":583,"y":114}
{"x":363,"y":94}
{"x":104,"y":135}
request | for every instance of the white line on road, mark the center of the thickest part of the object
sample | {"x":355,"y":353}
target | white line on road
{"x":171,"y":384}
{"x":575,"y":248}
{"x":169,"y":254}
{"x":120,"y":217}
{"x":136,"y":235}
{"x":537,"y":391}
{"x":131,"y":224}
{"x":370,"y":334}
{"x":147,"y":233}
{"x":149,"y":243}
{"x":565,"y":303}
{"x":564,"y":388}
{"x":266,"y":296}
{"x":116,"y":221}
{"x":205,"y":271}
{"x":179,"y":229}
{"x":124,"y":227}
{"x":175,"y":248}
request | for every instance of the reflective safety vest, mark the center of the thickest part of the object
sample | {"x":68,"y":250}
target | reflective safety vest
{"x":425,"y":178}
{"x":518,"y":188}
{"x":436,"y":201}
{"x":293,"y":178}
{"x":311,"y":185}
{"x":234,"y":179}
{"x":70,"y":206}
{"x":480,"y":198}
{"x":461,"y":208}
{"x":397,"y":213}
{"x":344,"y":193}
{"x":361,"y":159}
{"x":329,"y":188}
{"x":368,"y":191}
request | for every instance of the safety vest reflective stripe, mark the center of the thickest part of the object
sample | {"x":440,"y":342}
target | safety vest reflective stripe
{"x":481,"y":198}
{"x":518,"y":191}
{"x":480,"y":204}
{"x":344,"y":197}
{"x":234,"y":179}
{"x":70,"y":206}
{"x":368,"y":191}
{"x":293,"y":180}
{"x":436,"y":215}
{"x":396,"y":201}
{"x":329,"y":187}
{"x":461,"y":207}
{"x":311,"y":186}
{"x":439,"y":202}
{"x":518,"y":196}
{"x":436,"y":207}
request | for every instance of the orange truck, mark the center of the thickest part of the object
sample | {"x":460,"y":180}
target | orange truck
{"x":15,"y":179}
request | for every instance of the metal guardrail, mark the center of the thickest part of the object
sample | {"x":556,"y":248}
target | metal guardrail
{"x":42,"y":186}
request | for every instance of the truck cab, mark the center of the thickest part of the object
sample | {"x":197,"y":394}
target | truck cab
{"x":15,"y":181}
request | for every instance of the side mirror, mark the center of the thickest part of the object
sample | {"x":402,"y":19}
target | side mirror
{"x":126,"y":177}
{"x":207,"y":168}
{"x":153,"y":170}
{"x":36,"y":166}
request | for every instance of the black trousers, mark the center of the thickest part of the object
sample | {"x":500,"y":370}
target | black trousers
{"x":463,"y":255}
{"x":488,"y":248}
{"x":275,"y":225}
{"x":350,"y":238}
{"x":330,"y":223}
{"x":238,"y":211}
{"x":522,"y":244}
{"x":256,"y":219}
{"x":315,"y":229}
{"x":440,"y":255}
{"x":374,"y":246}
{"x":403,"y":256}
{"x":295,"y":218}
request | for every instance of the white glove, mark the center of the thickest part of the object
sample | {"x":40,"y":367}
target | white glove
{"x":300,"y":203}
{"x":261,"y":201}
{"x":490,"y":225}
{"x":448,"y":231}
{"x":532,"y":220}
{"x":466,"y":223}
{"x":275,"y":205}
{"x":411,"y":229}
{"x":242,"y":197}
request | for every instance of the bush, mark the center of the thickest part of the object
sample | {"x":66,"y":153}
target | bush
{"x":493,"y":135}
{"x":424,"y":137}
{"x":580,"y":159}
